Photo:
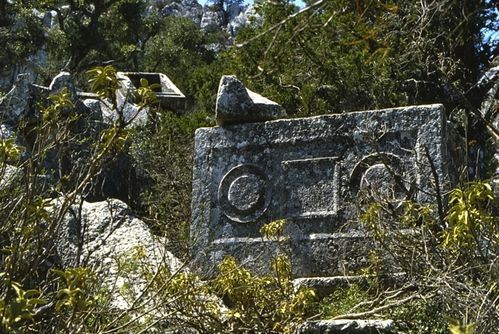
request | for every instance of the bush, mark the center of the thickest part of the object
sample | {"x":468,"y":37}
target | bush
{"x":450,"y":266}
{"x":164,"y":152}
{"x":37,"y":293}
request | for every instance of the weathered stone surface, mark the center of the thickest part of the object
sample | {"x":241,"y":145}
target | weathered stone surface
{"x":212,"y":19}
{"x":243,"y":18}
{"x":325,"y":286}
{"x":14,"y":105}
{"x":237,"y":104}
{"x":9,"y":174}
{"x":98,"y":234}
{"x":94,"y":109}
{"x":347,"y":326}
{"x":168,"y":95}
{"x":311,"y":172}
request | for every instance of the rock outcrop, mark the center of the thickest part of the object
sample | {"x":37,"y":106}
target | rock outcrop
{"x":212,"y":19}
{"x":209,"y":18}
{"x":243,"y":18}
{"x":185,"y":8}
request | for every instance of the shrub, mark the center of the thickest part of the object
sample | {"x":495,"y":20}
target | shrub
{"x":450,"y":266}
{"x":37,"y":293}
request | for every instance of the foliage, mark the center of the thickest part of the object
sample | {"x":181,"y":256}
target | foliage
{"x":22,"y":305}
{"x":262,"y":303}
{"x":38,"y":294}
{"x":104,"y":81}
{"x":341,"y":301}
{"x":450,"y":266}
{"x":422,"y":316}
{"x":9,"y":151}
{"x":456,"y":328}
{"x":179,"y":49}
{"x":273,"y":230}
{"x":21,"y":33}
{"x":471,"y":226}
{"x":165,"y":150}
{"x":111,"y":30}
{"x":335,"y":56}
{"x":234,"y":301}
{"x":75,"y":292}
{"x":353,"y":55}
{"x":266,"y":303}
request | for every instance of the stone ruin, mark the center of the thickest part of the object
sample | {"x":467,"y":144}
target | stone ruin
{"x":99,"y":227}
{"x":121,"y":178}
{"x":310,"y":172}
{"x":168,"y":95}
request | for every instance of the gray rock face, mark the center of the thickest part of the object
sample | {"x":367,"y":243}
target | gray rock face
{"x":231,"y":20}
{"x":35,"y":61}
{"x":311,"y":172}
{"x":246,"y":17}
{"x":99,"y":234}
{"x":94,"y":108}
{"x":212,"y":19}
{"x":185,"y":8}
{"x":347,"y":326}
{"x":237,"y":104}
{"x":14,"y":105}
{"x":10,"y":174}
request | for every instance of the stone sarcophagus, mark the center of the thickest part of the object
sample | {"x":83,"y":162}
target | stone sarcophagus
{"x":168,"y":95}
{"x":311,"y":172}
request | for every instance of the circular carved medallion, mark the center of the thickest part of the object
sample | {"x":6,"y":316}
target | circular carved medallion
{"x":382,"y":176}
{"x":244,"y":193}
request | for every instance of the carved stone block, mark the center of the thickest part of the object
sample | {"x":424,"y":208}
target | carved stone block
{"x":311,"y":172}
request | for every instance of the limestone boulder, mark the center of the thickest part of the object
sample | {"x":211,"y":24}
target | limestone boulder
{"x":15,"y":104}
{"x":102,"y":235}
{"x":236,"y":104}
{"x":9,"y":175}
